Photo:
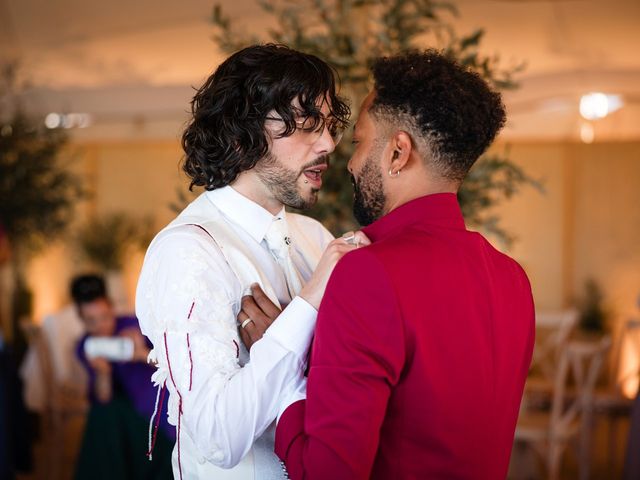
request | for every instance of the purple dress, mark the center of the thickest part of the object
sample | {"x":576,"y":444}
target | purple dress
{"x":130,"y":379}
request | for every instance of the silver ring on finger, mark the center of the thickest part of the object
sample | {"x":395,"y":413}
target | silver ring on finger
{"x":350,"y":238}
{"x":247,"y":322}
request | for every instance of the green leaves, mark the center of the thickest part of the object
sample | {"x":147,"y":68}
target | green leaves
{"x":593,"y":312}
{"x":38,"y":194}
{"x":106,"y":240}
{"x":350,"y":34}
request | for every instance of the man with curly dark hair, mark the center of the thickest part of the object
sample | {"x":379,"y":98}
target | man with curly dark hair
{"x":424,"y":338}
{"x":262,"y":128}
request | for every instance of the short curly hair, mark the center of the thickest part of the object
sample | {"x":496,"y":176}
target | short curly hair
{"x":226,"y":134}
{"x":454,"y":110}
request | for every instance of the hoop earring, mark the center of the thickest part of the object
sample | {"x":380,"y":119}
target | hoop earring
{"x":391,"y":174}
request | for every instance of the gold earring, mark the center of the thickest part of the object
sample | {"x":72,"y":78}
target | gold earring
{"x":392,"y":175}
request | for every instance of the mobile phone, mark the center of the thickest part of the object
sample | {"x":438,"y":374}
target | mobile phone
{"x":117,"y":349}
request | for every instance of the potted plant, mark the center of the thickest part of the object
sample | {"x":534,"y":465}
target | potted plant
{"x":38,"y":193}
{"x":107,"y":240}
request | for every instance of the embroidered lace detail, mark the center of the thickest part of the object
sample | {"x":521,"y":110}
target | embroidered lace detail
{"x":176,"y":299}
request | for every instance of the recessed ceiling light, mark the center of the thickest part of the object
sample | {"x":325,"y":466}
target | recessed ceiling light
{"x":67,"y":120}
{"x":597,"y":105}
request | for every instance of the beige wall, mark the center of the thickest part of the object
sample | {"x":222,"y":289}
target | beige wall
{"x":607,"y":221}
{"x":138,"y":178}
{"x":586,"y":223}
{"x":537,"y":221}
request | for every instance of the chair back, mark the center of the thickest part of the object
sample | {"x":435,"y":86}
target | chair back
{"x":552,"y":333}
{"x":36,"y":339}
{"x":578,"y":370}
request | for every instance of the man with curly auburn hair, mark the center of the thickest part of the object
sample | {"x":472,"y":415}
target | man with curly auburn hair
{"x":424,"y":338}
{"x":262,"y":128}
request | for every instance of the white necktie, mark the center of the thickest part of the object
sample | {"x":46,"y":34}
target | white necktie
{"x":278,"y":241}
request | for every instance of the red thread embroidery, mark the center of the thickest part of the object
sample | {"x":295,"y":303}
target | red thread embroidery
{"x":190,"y":363}
{"x":155,"y":428}
{"x":166,"y":351}
{"x":193,"y":304}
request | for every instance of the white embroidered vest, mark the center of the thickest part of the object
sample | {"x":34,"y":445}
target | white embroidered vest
{"x":261,"y":462}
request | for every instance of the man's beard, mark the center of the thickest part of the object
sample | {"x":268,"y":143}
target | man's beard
{"x":368,"y":192}
{"x":282,"y":182}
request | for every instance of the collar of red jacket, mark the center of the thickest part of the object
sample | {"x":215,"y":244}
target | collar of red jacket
{"x":439,"y":209}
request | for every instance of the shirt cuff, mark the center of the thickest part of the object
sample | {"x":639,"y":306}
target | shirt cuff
{"x":294,"y":327}
{"x":298,"y":392}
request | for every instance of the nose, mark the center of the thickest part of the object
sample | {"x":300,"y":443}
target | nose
{"x":325,"y":142}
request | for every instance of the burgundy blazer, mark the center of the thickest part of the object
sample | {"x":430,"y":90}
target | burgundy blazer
{"x":422,"y":346}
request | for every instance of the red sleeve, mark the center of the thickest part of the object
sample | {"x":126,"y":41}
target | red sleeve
{"x":357,"y":357}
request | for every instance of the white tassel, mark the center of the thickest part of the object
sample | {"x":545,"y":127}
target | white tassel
{"x":153,"y":417}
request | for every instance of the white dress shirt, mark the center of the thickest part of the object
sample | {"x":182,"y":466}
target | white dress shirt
{"x":188,"y":297}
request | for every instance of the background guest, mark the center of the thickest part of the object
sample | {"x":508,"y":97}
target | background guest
{"x":121,"y":394}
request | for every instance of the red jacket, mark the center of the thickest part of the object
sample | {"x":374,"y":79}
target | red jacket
{"x":422,"y":346}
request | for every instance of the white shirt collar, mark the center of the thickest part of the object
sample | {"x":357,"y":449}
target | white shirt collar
{"x":245,"y":213}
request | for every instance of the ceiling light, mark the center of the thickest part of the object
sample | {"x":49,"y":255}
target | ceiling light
{"x":67,"y":120}
{"x":597,"y":105}
{"x":53,"y":120}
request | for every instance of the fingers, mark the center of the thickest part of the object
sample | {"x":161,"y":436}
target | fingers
{"x":255,"y":313}
{"x":245,"y":337}
{"x":362,"y":239}
{"x":356,"y":239}
{"x":339,"y":247}
{"x":264,"y":302}
{"x":249,"y":333}
{"x":254,"y":329}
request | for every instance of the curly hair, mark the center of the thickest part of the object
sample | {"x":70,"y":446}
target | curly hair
{"x":226,"y":134}
{"x":452,"y":108}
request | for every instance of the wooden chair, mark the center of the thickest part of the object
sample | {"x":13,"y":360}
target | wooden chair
{"x":63,"y":402}
{"x":611,"y":400}
{"x":553,"y":330}
{"x":569,"y":420}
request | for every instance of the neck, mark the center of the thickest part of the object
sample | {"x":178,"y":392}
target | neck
{"x":403,"y":190}
{"x":249,"y":185}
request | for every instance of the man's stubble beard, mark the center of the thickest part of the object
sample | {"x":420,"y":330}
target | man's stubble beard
{"x":282,"y":182}
{"x":368,"y":191}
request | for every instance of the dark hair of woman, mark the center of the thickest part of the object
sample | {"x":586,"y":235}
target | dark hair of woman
{"x":87,"y":288}
{"x":226,"y":134}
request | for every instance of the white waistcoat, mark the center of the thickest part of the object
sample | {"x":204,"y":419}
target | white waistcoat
{"x":260,"y":463}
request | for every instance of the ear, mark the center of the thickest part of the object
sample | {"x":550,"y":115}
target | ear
{"x":401,"y":150}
